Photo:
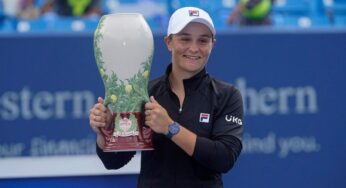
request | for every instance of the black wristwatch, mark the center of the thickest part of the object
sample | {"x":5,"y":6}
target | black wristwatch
{"x":173,"y":129}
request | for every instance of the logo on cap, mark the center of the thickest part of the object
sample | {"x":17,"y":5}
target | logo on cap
{"x":193,"y":12}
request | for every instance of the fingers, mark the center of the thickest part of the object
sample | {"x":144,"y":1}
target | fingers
{"x":148,"y":112}
{"x":100,"y":107}
{"x":152,"y":99}
{"x":152,"y":103}
{"x":152,"y":108}
{"x":98,"y":115}
{"x":148,"y":118}
{"x":100,"y":100}
{"x":152,"y":112}
{"x":148,"y":106}
{"x":98,"y":112}
{"x":97,"y":120}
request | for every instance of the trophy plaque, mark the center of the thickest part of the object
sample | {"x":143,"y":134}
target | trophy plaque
{"x":123,"y":49}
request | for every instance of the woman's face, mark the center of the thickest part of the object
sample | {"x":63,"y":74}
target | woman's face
{"x":190,"y":48}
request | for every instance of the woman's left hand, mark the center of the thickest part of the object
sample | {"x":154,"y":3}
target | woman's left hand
{"x":156,"y":117}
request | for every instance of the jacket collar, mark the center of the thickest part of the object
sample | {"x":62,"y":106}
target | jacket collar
{"x":192,"y":83}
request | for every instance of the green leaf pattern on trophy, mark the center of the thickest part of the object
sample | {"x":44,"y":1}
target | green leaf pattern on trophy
{"x":123,"y":97}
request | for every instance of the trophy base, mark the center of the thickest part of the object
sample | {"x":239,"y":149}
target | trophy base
{"x":142,"y":140}
{"x":128,"y":143}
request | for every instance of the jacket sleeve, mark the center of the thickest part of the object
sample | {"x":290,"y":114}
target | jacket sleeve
{"x":220,"y":151}
{"x":114,"y":160}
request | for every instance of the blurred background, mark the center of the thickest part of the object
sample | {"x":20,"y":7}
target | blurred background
{"x":287,"y":57}
{"x":27,"y":16}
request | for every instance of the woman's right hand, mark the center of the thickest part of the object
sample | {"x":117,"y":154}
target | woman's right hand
{"x":100,"y":117}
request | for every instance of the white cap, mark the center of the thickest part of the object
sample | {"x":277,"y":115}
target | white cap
{"x":183,"y":16}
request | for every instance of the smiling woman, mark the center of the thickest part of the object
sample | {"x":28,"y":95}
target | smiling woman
{"x":184,"y":104}
{"x":190,"y":49}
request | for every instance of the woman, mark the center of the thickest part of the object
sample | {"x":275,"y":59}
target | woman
{"x":197,"y":119}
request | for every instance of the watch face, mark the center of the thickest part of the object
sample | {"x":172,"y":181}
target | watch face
{"x":174,"y":128}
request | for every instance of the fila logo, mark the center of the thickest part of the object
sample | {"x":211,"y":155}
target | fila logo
{"x":194,"y":13}
{"x":233,"y":119}
{"x":204,"y":117}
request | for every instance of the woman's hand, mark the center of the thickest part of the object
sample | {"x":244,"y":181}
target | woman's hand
{"x":156,"y":117}
{"x":100,"y":117}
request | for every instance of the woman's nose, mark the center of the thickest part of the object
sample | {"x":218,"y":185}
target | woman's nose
{"x":194,"y":47}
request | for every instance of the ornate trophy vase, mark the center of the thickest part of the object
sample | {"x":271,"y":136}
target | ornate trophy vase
{"x":123,"y":47}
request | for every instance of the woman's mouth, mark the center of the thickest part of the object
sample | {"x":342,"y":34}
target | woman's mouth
{"x":191,"y":57}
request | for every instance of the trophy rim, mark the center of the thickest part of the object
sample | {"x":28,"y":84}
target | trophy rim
{"x":124,"y":13}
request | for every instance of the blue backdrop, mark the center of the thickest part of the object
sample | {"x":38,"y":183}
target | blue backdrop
{"x":291,"y":81}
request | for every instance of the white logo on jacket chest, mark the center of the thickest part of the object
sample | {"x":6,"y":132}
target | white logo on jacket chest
{"x":204,"y":117}
{"x":233,"y":119}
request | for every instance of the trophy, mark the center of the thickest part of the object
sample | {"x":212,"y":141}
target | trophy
{"x":123,"y":48}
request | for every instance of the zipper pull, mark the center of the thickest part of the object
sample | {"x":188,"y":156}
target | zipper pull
{"x":180,"y":109}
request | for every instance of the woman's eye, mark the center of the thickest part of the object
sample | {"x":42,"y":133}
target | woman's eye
{"x":203,"y":41}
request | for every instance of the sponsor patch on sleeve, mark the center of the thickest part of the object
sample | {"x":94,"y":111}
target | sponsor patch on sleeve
{"x":233,"y":119}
